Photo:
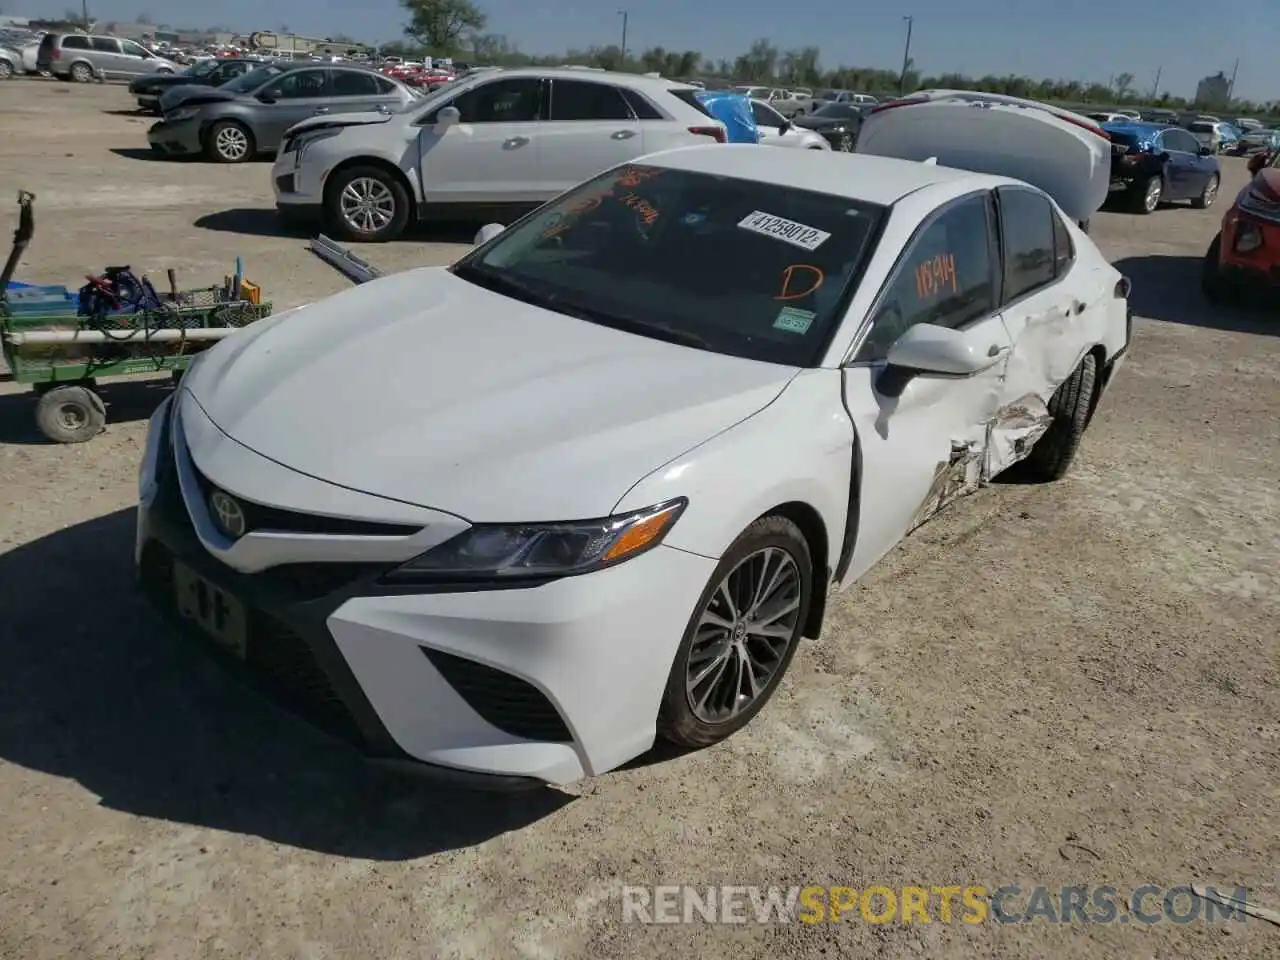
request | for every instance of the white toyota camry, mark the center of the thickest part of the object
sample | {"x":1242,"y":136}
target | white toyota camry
{"x":515,"y":518}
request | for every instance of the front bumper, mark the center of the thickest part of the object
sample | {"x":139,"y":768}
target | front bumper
{"x":540,"y":684}
{"x":298,"y":188}
{"x":176,"y":139}
{"x":1257,"y":270}
{"x":148,"y":101}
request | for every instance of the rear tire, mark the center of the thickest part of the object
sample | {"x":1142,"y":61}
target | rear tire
{"x":81,"y":72}
{"x":1146,"y":194}
{"x":1216,"y":287}
{"x":774,"y":548}
{"x":1070,"y":407}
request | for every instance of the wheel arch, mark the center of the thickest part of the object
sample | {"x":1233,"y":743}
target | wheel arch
{"x":380,"y":163}
{"x":814,"y":530}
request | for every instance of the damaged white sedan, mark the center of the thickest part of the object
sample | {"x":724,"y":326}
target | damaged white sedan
{"x":593,"y":483}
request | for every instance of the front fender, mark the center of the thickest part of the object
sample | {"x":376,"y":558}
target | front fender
{"x":796,"y":450}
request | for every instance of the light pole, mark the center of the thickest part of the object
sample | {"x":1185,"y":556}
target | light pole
{"x":906,"y":57}
{"x":625,"y":17}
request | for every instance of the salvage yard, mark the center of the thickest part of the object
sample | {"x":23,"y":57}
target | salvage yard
{"x":1076,"y":683}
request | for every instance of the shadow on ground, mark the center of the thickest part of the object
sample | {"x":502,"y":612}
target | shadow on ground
{"x":143,"y":153}
{"x":1167,"y":288}
{"x":103,"y":692}
{"x":125,"y":400}
{"x":267,"y":223}
{"x":138,"y":114}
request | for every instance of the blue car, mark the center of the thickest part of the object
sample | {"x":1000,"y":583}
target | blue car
{"x":1153,"y":164}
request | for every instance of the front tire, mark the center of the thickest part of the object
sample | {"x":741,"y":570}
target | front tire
{"x":6,"y":70}
{"x":228,"y":142}
{"x":741,"y":637}
{"x":1070,"y":407}
{"x":1207,"y":195}
{"x":367,"y":205}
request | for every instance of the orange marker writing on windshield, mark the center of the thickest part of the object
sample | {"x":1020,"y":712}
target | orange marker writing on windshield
{"x":810,"y":280}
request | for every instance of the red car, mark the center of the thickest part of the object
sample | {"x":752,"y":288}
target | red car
{"x":1245,"y":255}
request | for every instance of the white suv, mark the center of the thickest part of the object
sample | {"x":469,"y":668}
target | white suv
{"x":494,"y":143}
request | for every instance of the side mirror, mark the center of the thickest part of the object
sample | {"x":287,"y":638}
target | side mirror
{"x":926,"y":348}
{"x":786,"y":125}
{"x":487,"y":232}
{"x":265,"y":97}
{"x":447,"y":117}
{"x":1206,"y":151}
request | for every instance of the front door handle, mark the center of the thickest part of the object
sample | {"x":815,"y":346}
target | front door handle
{"x":623,"y":134}
{"x":319,"y":111}
{"x":1077,"y":308}
{"x":514,"y":142}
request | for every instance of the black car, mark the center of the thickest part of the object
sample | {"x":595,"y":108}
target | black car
{"x":838,"y":122}
{"x":210,"y":73}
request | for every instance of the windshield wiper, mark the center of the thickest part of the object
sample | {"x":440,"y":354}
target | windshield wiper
{"x":504,"y":284}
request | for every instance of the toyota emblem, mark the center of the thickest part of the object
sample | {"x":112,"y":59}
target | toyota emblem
{"x":228,"y":514}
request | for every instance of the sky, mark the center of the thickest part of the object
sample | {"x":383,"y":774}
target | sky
{"x":1088,"y":40}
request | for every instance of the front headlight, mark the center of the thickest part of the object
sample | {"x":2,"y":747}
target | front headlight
{"x":539,"y":550}
{"x":182,"y":113}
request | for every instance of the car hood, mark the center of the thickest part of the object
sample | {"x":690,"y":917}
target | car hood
{"x":426,"y":389}
{"x":330,"y":121}
{"x":825,"y":123}
{"x":191,"y":94}
{"x":161,"y":81}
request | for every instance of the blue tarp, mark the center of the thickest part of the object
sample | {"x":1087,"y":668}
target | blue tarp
{"x":734,"y":111}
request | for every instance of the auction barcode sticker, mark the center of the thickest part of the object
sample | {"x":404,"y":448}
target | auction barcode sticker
{"x":796,"y":234}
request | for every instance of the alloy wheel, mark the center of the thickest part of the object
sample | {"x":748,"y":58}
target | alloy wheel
{"x":1154,"y":189}
{"x":1210,"y":191}
{"x":367,"y":205}
{"x":6,"y":70}
{"x":232,"y":143}
{"x":743,"y":635}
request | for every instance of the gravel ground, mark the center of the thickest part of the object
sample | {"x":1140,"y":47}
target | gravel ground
{"x":1067,"y":684}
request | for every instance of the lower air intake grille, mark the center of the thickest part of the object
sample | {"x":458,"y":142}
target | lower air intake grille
{"x":508,"y":703}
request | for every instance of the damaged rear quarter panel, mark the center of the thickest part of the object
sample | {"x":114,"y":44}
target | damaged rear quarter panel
{"x":1051,"y":330}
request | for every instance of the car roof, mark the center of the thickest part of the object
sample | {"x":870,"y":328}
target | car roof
{"x":856,"y":176}
{"x":634,"y":81}
{"x":1139,"y":128}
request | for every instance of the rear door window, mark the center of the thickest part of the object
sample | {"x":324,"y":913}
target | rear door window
{"x":75,"y":43}
{"x":1026,"y":227}
{"x":104,"y":45}
{"x":577,"y":100}
{"x":354,"y":83}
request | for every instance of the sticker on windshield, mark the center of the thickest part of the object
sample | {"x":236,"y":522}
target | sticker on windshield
{"x":796,"y":234}
{"x":794,"y":320}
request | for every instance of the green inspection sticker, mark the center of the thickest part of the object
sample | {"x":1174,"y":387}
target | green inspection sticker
{"x":794,"y":320}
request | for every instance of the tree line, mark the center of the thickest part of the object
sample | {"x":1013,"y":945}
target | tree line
{"x":458,"y":28}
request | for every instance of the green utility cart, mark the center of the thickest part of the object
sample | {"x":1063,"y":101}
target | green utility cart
{"x":50,"y":343}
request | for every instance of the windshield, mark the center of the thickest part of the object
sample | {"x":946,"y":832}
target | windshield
{"x":838,"y":111}
{"x":202,"y":69}
{"x":253,"y":79}
{"x":734,"y":266}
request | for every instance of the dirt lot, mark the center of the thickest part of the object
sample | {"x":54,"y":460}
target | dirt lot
{"x":1067,"y":684}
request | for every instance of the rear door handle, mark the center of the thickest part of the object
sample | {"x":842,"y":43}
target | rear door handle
{"x":319,"y":110}
{"x":512,"y":142}
{"x":622,"y":134}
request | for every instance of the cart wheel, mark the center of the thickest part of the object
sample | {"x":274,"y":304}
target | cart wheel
{"x":70,"y":414}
